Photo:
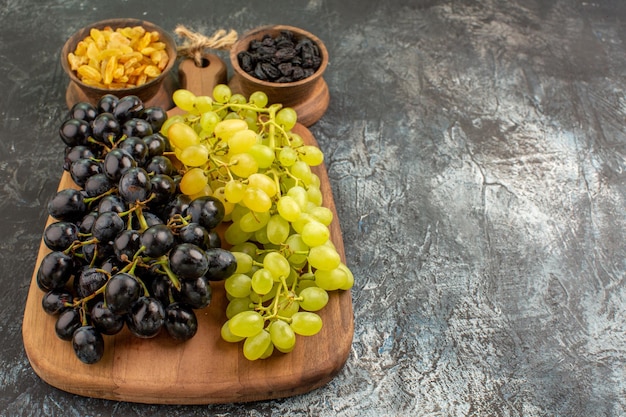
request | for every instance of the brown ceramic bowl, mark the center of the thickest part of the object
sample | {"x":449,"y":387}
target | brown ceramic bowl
{"x":78,"y":90}
{"x":309,"y":96}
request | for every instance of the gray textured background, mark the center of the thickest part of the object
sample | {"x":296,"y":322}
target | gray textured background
{"x":476,"y":151}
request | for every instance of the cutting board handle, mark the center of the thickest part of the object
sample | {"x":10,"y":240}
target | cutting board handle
{"x":201,"y":80}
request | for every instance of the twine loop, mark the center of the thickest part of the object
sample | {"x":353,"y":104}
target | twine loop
{"x":195,"y":43}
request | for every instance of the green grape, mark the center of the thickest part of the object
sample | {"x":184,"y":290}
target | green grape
{"x":222,"y":93}
{"x":194,"y":155}
{"x":246,"y":323}
{"x":287,"y":306}
{"x":311,"y":155}
{"x":241,"y":141}
{"x":259,"y":99}
{"x":301,"y":171}
{"x":263,"y":182}
{"x":253,"y":221}
{"x":256,"y":200}
{"x":315,"y":181}
{"x":324,"y":257}
{"x":299,"y":194}
{"x":227,"y":335}
{"x":255,"y":346}
{"x":245,"y":247}
{"x":182,"y":135}
{"x":237,"y":305}
{"x":262,"y":281}
{"x":243,"y":165}
{"x":330,"y":280}
{"x":184,"y":99}
{"x":268,"y":352}
{"x":170,"y":121}
{"x":228,"y":127}
{"x":315,"y":195}
{"x":238,"y":212}
{"x":277,"y":229}
{"x":305,"y":283}
{"x":302,"y":220}
{"x":262,"y":154}
{"x":204,"y":104}
{"x":282,"y":335}
{"x":238,"y":285}
{"x":315,"y":233}
{"x":234,"y":235}
{"x":244,"y":262}
{"x":313,"y":298}
{"x":298,"y":249}
{"x":260,"y":236}
{"x":288,"y":208}
{"x":233,"y":191}
{"x":295,"y":140}
{"x":287,"y":156}
{"x":237,"y":99}
{"x":306,"y":323}
{"x":349,"y":277}
{"x":286,"y":118}
{"x":277,"y":265}
{"x":321,"y":214}
{"x":193,"y":181}
{"x":208,"y":121}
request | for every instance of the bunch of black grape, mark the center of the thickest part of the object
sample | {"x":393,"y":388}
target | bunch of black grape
{"x":126,"y":247}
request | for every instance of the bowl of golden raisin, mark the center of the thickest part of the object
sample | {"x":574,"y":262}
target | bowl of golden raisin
{"x":119,"y":56}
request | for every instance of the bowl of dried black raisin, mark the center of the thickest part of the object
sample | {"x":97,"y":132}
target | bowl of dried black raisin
{"x":285,"y":62}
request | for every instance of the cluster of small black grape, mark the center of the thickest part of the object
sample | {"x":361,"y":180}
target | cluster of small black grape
{"x":126,"y":247}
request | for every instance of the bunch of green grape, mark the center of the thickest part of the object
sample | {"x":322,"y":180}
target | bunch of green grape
{"x":244,"y":153}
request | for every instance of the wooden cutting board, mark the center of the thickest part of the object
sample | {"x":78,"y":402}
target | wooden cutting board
{"x":205,"y":369}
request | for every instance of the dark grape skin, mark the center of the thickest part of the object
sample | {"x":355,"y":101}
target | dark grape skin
{"x":67,"y":322}
{"x":188,"y":261}
{"x":127,"y":244}
{"x":194,"y":233}
{"x":206,"y":210}
{"x":136,"y":148}
{"x":97,"y":185}
{"x":72,"y":153}
{"x":104,"y":320}
{"x":106,"y":128}
{"x":157,"y":144}
{"x":107,"y":103}
{"x":83,"y":111}
{"x":106,"y":226}
{"x":111,"y":203}
{"x":89,"y":281}
{"x":222,"y":264}
{"x":134,"y":185}
{"x":88,"y":344}
{"x":127,"y":108}
{"x":156,"y":116}
{"x":163,"y":188}
{"x":75,"y":132}
{"x":159,"y":164}
{"x":55,"y":301}
{"x":195,"y":293}
{"x":177,"y":205}
{"x":136,"y":127}
{"x":116,"y":162}
{"x":59,"y":236}
{"x":181,"y":322}
{"x":82,"y":169}
{"x":86,"y":223}
{"x":146,"y":317}
{"x":215,"y":241}
{"x":121,"y":292}
{"x":157,"y":240}
{"x":67,"y":205}
{"x":55,"y":270}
